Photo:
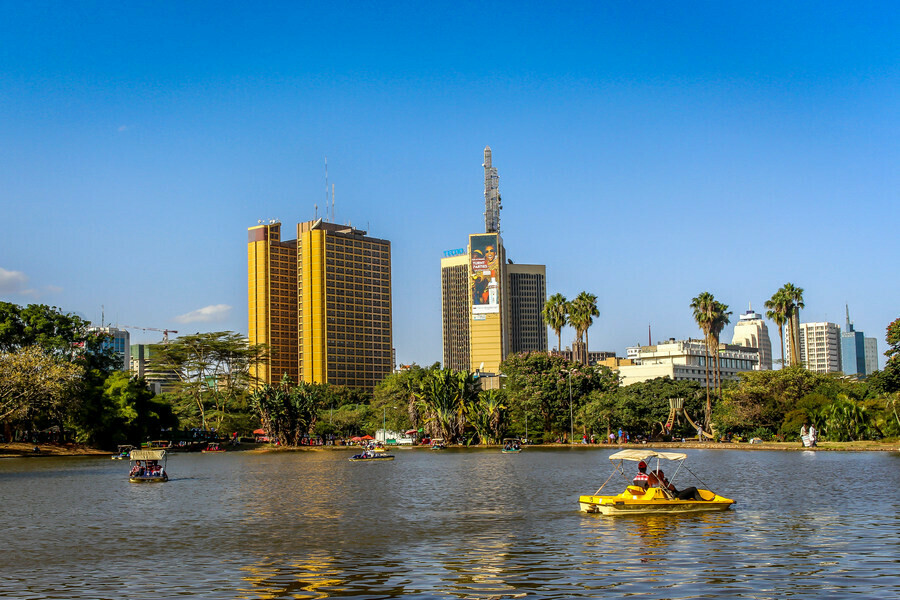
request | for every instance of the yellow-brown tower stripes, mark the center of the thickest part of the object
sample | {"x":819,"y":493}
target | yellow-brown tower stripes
{"x":272,"y":300}
{"x":342,"y":307}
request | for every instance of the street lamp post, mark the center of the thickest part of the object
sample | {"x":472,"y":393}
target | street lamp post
{"x":383,"y":428}
{"x":571,"y":420}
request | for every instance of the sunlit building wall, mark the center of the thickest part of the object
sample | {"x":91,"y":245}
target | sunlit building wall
{"x":334,"y":324}
{"x":751,"y":331}
{"x":272,"y":301}
{"x":455,"y":309}
{"x":687,"y":360}
{"x":526,"y":287}
{"x":820,"y":347}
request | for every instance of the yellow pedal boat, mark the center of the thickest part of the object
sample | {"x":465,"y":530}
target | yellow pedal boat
{"x":655,"y":499}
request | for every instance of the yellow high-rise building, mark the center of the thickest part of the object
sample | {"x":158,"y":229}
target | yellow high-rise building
{"x":322,"y":303}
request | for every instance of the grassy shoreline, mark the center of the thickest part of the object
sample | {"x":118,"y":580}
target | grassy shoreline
{"x":21,"y":449}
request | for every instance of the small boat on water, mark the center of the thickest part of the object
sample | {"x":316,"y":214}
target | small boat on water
{"x":371,"y":455}
{"x":511,"y":446}
{"x":657,"y":495}
{"x":213,"y":447}
{"x":438,"y":444}
{"x":122,"y":452}
{"x":148,"y":466}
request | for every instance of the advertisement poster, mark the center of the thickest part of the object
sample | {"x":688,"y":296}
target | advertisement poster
{"x":485,"y":273}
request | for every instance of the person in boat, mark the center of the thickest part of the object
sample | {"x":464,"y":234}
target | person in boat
{"x":641,"y":480}
{"x":690,"y":493}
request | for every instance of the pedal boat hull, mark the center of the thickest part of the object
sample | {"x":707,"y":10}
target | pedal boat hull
{"x":635,"y":501}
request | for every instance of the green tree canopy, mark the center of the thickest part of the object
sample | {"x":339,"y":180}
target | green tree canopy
{"x":212,"y":371}
{"x":40,"y":325}
{"x":33,"y":382}
{"x":538,"y":385}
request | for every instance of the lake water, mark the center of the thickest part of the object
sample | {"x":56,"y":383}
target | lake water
{"x":449,"y":524}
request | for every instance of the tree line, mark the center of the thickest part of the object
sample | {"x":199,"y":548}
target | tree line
{"x":55,"y":373}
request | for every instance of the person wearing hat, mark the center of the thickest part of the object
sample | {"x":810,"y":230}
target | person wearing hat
{"x":641,"y":480}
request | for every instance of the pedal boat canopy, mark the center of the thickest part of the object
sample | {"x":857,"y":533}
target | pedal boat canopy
{"x":147,"y":454}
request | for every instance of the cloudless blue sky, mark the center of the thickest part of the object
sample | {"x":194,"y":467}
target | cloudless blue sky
{"x":647,"y":151}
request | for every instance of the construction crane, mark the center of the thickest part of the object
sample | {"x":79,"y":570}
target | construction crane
{"x":165,"y":332}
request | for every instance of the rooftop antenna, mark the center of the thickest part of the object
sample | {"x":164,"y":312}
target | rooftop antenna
{"x":491,"y":194}
{"x":102,"y":316}
{"x":317,"y":212}
{"x":326,"y":189}
{"x":332,"y":203}
{"x":649,"y":337}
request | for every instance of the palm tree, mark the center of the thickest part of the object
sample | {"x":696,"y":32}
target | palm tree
{"x":555,"y":314}
{"x":582,"y":311}
{"x":719,"y":319}
{"x":777,"y":312}
{"x":794,"y":298}
{"x":702,"y":306}
{"x":488,"y":415}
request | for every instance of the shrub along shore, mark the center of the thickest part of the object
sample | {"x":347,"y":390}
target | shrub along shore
{"x":20,"y":449}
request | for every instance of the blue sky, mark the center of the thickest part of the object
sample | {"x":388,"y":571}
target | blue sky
{"x":647,"y":151}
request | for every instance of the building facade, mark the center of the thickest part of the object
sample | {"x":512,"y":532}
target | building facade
{"x":527,"y":293}
{"x":687,"y":360}
{"x":119,"y":341}
{"x":576,"y":353}
{"x":322,"y":303}
{"x":871,"y":345}
{"x":820,"y":347}
{"x":853,"y":352}
{"x":272,"y":301}
{"x":490,"y":307}
{"x":751,"y":331}
{"x":455,"y":309}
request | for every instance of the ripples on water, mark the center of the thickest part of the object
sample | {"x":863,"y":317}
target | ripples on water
{"x":450,"y":524}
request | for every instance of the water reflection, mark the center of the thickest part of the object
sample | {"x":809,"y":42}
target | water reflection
{"x":454,"y":524}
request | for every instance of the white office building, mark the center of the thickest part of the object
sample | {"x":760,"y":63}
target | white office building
{"x":686,"y":360}
{"x":820,"y":347}
{"x":750,"y":331}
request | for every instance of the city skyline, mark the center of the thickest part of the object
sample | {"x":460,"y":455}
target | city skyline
{"x":648,"y":154}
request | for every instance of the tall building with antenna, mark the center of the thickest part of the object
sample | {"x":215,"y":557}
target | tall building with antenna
{"x":858,"y":353}
{"x":490,"y":307}
{"x":322,"y":303}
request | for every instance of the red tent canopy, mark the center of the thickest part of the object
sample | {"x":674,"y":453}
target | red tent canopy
{"x":355,"y":438}
{"x":259,"y":432}
{"x":367,"y":437}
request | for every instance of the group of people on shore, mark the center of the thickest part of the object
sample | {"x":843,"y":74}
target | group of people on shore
{"x":809,"y":436}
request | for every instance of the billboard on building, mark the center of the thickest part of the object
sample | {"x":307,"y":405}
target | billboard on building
{"x":484,"y":273}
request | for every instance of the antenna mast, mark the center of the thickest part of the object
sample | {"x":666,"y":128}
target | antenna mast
{"x":491,"y":195}
{"x":326,"y":188}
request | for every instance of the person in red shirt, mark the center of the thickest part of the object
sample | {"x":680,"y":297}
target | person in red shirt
{"x":641,"y":480}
